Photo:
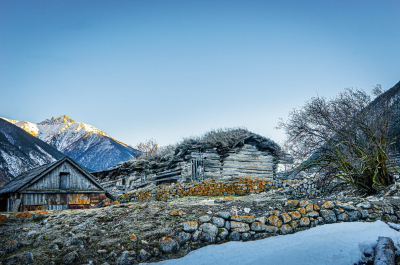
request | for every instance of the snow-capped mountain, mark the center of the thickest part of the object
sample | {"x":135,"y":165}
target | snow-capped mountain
{"x":87,"y":145}
{"x":20,"y":151}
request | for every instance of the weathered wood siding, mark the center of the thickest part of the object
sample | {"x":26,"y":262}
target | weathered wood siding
{"x":52,"y":181}
{"x":248,"y":161}
{"x":53,"y":201}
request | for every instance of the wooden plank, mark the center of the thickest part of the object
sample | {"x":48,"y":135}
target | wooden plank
{"x":79,"y":206}
{"x":78,"y":199}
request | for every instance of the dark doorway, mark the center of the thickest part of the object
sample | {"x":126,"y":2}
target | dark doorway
{"x":64,"y":181}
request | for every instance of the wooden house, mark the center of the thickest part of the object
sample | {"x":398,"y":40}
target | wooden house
{"x":60,"y":185}
{"x":253,"y":156}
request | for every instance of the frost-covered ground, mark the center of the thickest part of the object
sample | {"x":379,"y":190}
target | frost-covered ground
{"x":336,"y":244}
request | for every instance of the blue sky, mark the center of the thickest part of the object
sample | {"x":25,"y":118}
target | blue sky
{"x":171,"y":69}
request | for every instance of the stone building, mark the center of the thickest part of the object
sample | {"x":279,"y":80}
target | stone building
{"x":60,"y":185}
{"x":253,"y":156}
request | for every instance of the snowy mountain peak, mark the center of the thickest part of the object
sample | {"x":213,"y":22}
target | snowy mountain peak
{"x":84,"y":143}
{"x":27,"y":126}
{"x":56,"y":121}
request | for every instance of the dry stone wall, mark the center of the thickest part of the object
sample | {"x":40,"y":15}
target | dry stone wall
{"x":295,"y":216}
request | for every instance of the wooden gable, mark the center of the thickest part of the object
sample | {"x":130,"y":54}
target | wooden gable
{"x":64,"y":177}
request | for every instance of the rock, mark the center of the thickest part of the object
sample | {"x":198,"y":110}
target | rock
{"x":258,"y":227}
{"x":303,"y":203}
{"x":9,"y":261}
{"x":27,"y":258}
{"x":38,"y":241}
{"x":111,"y":256}
{"x":228,"y":225}
{"x":292,"y":203}
{"x":286,"y":218}
{"x":234,"y":236}
{"x":218,"y":221}
{"x":101,"y":251}
{"x":53,"y":246}
{"x":262,"y":220}
{"x":354,"y":216}
{"x":309,"y":208}
{"x":168,"y":245}
{"x":329,"y":216}
{"x":237,"y":218}
{"x":195,"y":235}
{"x":225,"y":215}
{"x":348,"y":207}
{"x":105,"y":263}
{"x":144,"y":255}
{"x":70,"y":257}
{"x":240,"y":227}
{"x":384,"y":252}
{"x":338,"y":211}
{"x":183,"y":237}
{"x":364,"y":205}
{"x":31,"y":233}
{"x":204,"y":219}
{"x":70,"y":234}
{"x":209,"y":232}
{"x":223,"y":233}
{"x":328,"y":205}
{"x":133,"y":238}
{"x":127,"y":258}
{"x":274,"y":220}
{"x":190,"y":226}
{"x":286,"y":229}
{"x":364,"y":214}
{"x":388,"y":210}
{"x":271,"y":229}
{"x":313,"y":214}
{"x":294,"y":225}
{"x":295,"y":215}
{"x":320,"y":220}
{"x":245,"y":236}
{"x":305,"y":221}
{"x":249,"y":219}
{"x":344,"y":217}
{"x":13,"y":245}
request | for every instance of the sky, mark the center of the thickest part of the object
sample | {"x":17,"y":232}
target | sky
{"x":172,"y":69}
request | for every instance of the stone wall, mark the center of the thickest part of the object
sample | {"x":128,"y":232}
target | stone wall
{"x":237,"y":186}
{"x":294,"y":216}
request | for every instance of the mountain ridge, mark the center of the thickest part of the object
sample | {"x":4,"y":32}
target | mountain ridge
{"x":86,"y":144}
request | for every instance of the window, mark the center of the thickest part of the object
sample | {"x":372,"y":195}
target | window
{"x":64,"y":181}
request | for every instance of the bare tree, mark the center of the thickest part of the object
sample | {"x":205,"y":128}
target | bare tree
{"x":347,"y":137}
{"x":149,"y":147}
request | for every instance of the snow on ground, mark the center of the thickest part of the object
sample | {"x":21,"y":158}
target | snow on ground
{"x":332,"y":244}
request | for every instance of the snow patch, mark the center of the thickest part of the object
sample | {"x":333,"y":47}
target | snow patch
{"x":332,"y":244}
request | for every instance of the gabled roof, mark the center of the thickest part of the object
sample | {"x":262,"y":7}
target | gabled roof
{"x":29,"y":177}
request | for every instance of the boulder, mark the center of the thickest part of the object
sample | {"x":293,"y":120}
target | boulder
{"x":70,"y":257}
{"x":183,"y":237}
{"x":27,"y":258}
{"x":168,"y":245}
{"x":126,"y":258}
{"x":209,"y":232}
{"x":218,"y":222}
{"x":190,"y":226}
{"x":223,"y":233}
{"x":234,"y":236}
{"x":329,"y":216}
{"x":225,"y":215}
{"x":144,"y":255}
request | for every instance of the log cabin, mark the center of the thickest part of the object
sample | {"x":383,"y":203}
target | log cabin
{"x":59,"y":185}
